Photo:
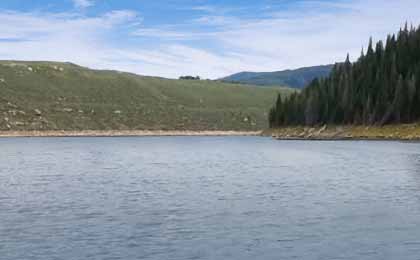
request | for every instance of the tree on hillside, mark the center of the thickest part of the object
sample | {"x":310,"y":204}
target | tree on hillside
{"x":189,"y":78}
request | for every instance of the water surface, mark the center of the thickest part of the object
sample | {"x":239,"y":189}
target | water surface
{"x":208,"y":198}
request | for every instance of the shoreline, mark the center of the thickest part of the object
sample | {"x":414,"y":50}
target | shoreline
{"x":125,"y":133}
{"x":401,"y":132}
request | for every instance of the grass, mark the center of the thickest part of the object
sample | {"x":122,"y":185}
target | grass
{"x":70,"y":97}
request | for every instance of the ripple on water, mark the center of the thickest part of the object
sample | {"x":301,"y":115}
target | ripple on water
{"x":187,"y":198}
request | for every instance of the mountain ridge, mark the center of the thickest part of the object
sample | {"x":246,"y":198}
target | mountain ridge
{"x":294,"y":78}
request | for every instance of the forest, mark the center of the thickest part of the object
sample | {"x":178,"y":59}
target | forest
{"x":381,"y":87}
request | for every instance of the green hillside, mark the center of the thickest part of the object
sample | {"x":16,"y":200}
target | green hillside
{"x":64,"y":96}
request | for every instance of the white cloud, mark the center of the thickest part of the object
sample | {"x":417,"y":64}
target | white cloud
{"x":59,"y":37}
{"x":315,"y":33}
{"x":163,"y":33}
{"x":204,"y":8}
{"x":83,"y":3}
{"x":306,"y":37}
{"x":211,"y":46}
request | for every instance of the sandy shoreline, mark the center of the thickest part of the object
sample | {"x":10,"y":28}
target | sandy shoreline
{"x":112,"y":133}
{"x":402,"y":132}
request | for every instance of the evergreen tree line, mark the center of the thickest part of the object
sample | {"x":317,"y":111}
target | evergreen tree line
{"x":381,"y":87}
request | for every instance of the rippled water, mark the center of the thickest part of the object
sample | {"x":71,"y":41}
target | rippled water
{"x":208,"y":198}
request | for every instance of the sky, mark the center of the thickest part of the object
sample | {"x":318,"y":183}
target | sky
{"x":212,"y":38}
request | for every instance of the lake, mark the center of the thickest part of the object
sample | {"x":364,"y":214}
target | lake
{"x":208,"y":198}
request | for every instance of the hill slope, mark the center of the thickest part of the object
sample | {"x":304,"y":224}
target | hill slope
{"x":64,"y":96}
{"x":298,"y":78}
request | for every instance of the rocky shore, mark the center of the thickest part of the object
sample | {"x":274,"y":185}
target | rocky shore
{"x":112,"y":133}
{"x":326,"y":132}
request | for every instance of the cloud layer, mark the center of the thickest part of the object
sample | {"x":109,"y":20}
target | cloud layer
{"x":212,"y":45}
{"x":83,"y":3}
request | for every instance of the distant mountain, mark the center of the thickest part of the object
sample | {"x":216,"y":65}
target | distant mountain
{"x":298,"y":78}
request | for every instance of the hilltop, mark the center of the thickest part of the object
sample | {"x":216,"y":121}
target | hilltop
{"x":298,"y":78}
{"x":65,"y":96}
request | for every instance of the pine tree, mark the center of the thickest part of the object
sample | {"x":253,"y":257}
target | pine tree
{"x":397,"y":105}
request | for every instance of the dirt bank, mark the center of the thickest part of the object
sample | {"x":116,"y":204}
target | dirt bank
{"x":389,"y":132}
{"x":123,"y":133}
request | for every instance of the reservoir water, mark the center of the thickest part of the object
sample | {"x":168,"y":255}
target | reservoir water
{"x":208,"y":198}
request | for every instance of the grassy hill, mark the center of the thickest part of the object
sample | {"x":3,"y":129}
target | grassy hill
{"x":64,"y":96}
{"x":298,"y":78}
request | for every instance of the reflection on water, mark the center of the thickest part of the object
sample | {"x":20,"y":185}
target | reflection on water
{"x":208,"y":198}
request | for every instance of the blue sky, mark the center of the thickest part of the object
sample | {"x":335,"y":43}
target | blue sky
{"x":212,"y":38}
